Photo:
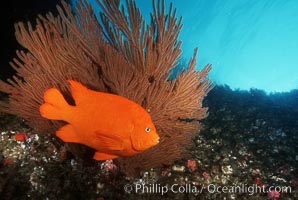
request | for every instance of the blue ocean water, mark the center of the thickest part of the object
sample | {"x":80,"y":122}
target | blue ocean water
{"x":250,"y":43}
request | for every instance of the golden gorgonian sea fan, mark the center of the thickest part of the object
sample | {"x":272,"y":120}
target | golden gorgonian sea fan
{"x":117,"y":54}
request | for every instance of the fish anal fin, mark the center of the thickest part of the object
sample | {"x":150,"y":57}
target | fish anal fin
{"x":103,"y":156}
{"x":109,"y":141}
{"x":68,"y":134}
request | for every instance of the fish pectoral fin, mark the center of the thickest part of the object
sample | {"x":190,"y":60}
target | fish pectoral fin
{"x":68,"y":134}
{"x":110,"y":141}
{"x":103,"y":156}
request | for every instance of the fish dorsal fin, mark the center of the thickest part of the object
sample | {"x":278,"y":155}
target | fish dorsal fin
{"x":78,"y":91}
{"x":110,"y":141}
{"x":103,"y":156}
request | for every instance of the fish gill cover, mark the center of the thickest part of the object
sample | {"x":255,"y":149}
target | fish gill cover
{"x":119,"y":54}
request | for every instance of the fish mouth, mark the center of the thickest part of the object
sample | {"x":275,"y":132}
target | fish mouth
{"x":154,"y":142}
{"x":157,"y":140}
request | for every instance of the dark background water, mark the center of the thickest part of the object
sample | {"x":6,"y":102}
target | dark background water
{"x":15,"y":11}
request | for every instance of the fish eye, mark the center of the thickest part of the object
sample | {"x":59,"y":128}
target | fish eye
{"x":147,"y":129}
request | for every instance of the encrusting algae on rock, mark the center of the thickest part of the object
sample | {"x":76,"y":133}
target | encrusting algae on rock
{"x":120,"y":55}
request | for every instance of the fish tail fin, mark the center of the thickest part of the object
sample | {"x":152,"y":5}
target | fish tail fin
{"x":55,"y":105}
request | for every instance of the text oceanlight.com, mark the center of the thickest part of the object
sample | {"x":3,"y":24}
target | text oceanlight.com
{"x":211,"y":188}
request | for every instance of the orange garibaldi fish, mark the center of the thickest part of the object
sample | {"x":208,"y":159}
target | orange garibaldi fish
{"x":112,"y":125}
